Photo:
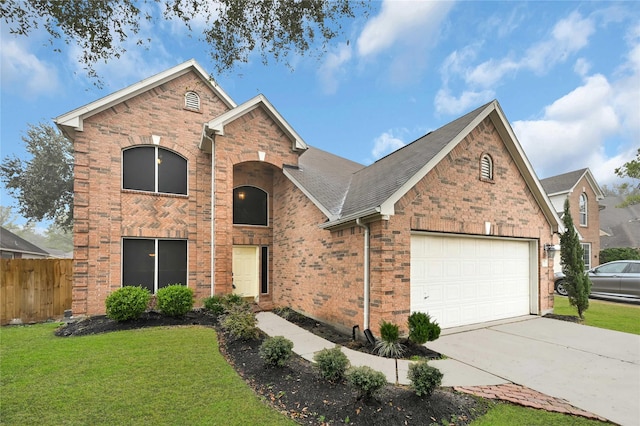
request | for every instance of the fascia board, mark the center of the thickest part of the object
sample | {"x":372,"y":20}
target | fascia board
{"x":366,"y":214}
{"x":526,"y":170}
{"x":387,"y":207}
{"x":314,"y":200}
{"x":218,"y":123}
{"x":74,"y":119}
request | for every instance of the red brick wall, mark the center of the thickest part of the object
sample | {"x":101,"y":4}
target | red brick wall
{"x":323,"y":270}
{"x":104,"y":213}
{"x":591,"y":232}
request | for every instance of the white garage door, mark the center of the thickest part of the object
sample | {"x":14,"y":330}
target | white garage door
{"x":460,"y":281}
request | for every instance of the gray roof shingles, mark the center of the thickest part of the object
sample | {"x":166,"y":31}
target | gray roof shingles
{"x":345,"y":188}
{"x":11,"y":242}
{"x":621,"y":223}
{"x":562,"y":183}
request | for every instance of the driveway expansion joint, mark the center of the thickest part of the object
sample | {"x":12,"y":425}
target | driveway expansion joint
{"x":526,"y":397}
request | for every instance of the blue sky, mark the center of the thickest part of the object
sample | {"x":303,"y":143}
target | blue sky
{"x":567,"y":75}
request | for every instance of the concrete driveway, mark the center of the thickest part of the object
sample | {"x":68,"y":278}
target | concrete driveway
{"x":594,"y":369}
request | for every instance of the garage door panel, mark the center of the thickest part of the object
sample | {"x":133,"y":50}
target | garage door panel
{"x":460,"y":280}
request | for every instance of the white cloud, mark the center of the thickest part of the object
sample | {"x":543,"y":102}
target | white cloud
{"x":334,"y":67}
{"x":572,"y":132}
{"x":446,"y":103}
{"x":23,"y":72}
{"x":405,"y":21}
{"x":385,"y":144}
{"x":582,"y":67}
{"x":490,"y":72}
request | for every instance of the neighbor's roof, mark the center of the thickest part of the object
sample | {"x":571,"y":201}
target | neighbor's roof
{"x":347,"y":191}
{"x":74,"y":120}
{"x":566,"y":183}
{"x":11,"y":242}
{"x":622,"y":224}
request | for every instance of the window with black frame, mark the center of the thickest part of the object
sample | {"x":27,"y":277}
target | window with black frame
{"x":154,"y":169}
{"x":250,"y":206}
{"x":153,"y":263}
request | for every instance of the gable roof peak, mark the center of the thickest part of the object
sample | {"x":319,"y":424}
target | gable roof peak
{"x":566,"y":183}
{"x":74,"y":120}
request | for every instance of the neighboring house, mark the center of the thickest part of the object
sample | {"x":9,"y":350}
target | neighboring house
{"x":584,"y":195}
{"x":176,"y":183}
{"x":620,"y":225}
{"x":15,"y":247}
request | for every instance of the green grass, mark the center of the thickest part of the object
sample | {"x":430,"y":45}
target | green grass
{"x":609,"y":315}
{"x":509,"y":415}
{"x":159,"y":376}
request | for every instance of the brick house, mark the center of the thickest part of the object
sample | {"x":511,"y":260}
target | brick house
{"x":584,"y":195}
{"x":176,"y":183}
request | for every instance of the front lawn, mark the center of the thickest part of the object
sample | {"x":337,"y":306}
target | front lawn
{"x":138,"y":377}
{"x":603,"y":314}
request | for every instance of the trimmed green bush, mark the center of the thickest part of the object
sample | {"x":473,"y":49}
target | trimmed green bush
{"x":175,"y":300}
{"x":422,"y":329}
{"x":617,"y":253}
{"x":388,"y":345}
{"x":331,"y":363}
{"x":366,"y":380}
{"x":424,"y":378}
{"x":127,"y":303}
{"x":276,"y":351}
{"x":240,"y":322}
{"x":214,"y":305}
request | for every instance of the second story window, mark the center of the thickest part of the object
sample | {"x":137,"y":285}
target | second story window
{"x":154,"y":169}
{"x":583,"y":209}
{"x":250,"y":206}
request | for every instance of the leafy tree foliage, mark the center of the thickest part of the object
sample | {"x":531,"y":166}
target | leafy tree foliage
{"x":631,"y":169}
{"x":577,"y":280}
{"x":43,"y":184}
{"x":619,"y":253}
{"x":233,"y":29}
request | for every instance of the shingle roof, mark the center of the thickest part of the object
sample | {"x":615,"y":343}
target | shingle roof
{"x":621,"y":223}
{"x":562,"y":183}
{"x":324,"y":177}
{"x":11,"y":242}
{"x":373,"y":185}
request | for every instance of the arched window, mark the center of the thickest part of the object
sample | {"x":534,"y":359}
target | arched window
{"x":486,"y":167}
{"x":192,"y":101}
{"x":250,"y":206}
{"x":154,"y":169}
{"x":583,"y":209}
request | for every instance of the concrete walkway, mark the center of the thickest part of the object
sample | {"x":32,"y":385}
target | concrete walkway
{"x":460,"y":375}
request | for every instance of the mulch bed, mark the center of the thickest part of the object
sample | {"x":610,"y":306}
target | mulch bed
{"x":297,"y":391}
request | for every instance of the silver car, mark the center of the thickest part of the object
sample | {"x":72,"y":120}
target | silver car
{"x":616,"y":280}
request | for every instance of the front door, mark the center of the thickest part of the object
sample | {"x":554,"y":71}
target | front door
{"x":246,"y":267}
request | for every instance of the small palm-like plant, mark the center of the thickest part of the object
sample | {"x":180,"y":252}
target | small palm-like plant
{"x":388,"y":345}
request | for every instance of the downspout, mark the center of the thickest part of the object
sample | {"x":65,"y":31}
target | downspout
{"x":213,"y":211}
{"x":367,"y":283}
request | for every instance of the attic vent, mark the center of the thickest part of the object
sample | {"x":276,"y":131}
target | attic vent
{"x":486,"y":168}
{"x":192,"y":101}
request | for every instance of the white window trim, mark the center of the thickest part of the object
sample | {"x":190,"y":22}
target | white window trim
{"x":587,"y":265}
{"x":582,"y":210}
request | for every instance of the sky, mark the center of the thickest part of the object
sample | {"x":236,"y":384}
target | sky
{"x":567,"y":75}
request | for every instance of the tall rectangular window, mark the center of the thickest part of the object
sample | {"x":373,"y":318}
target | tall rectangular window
{"x":154,"y":263}
{"x":264,"y":270}
{"x":586,"y":248}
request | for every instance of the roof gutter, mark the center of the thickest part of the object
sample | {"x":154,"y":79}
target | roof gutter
{"x":367,"y":275}
{"x":371,"y":214}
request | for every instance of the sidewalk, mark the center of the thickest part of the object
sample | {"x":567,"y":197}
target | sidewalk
{"x":460,"y":376}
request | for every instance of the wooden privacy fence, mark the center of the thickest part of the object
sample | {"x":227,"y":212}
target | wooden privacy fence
{"x":34,"y":290}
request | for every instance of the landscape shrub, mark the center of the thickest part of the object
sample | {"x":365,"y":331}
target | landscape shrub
{"x":232,"y":299}
{"x":422,"y":329}
{"x":388,"y":345}
{"x":366,"y":380}
{"x":127,"y":303}
{"x":175,"y":300}
{"x":276,"y":351}
{"x":214,"y":305}
{"x":331,"y":363}
{"x":619,"y":253}
{"x":240,"y":322}
{"x":424,"y":378}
